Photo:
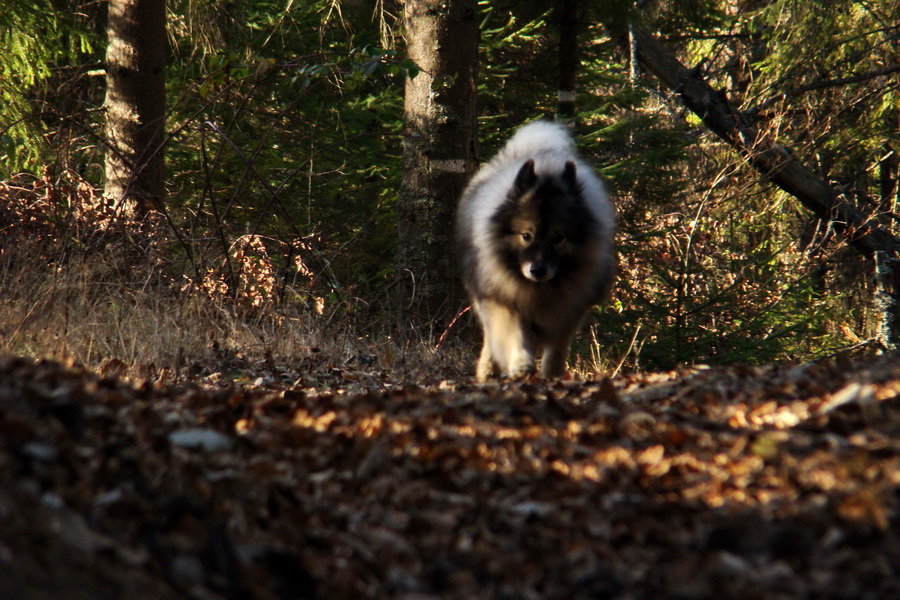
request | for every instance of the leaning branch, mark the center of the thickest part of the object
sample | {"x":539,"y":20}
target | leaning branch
{"x":773,"y":160}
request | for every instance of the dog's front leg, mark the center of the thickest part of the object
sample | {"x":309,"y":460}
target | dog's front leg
{"x":521,"y":357}
{"x":506,"y":343}
{"x":556,"y":350}
{"x":486,"y":368}
{"x":553,"y":361}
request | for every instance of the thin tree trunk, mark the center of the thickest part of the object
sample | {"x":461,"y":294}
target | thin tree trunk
{"x":888,"y":167}
{"x":887,"y":295}
{"x":568,"y":58}
{"x":135,"y":103}
{"x":439,"y":151}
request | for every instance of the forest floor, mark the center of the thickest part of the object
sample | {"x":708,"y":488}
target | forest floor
{"x":303,"y":479}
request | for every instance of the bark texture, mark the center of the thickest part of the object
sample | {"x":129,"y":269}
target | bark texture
{"x":135,"y":103}
{"x":439,"y":151}
{"x":567,"y":13}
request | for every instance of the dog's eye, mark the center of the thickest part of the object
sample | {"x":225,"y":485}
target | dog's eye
{"x":526,"y":237}
{"x":557,"y":238}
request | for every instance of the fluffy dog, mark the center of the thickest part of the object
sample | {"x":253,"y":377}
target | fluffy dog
{"x":534,"y":234}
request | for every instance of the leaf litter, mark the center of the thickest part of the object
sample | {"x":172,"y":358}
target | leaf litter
{"x":309,"y":481}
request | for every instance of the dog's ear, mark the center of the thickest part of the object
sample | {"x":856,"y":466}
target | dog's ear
{"x":570,"y":176}
{"x":526,"y":178}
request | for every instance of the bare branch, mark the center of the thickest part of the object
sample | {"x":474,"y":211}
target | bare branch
{"x":828,"y":83}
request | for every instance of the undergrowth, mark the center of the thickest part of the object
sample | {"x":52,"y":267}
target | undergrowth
{"x":82,"y":283}
{"x":88,"y":286}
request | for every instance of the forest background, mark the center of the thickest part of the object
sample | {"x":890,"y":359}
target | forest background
{"x":284,"y":157}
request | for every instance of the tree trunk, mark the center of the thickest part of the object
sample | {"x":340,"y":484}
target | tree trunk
{"x":887,"y":294}
{"x":568,"y":58}
{"x":778,"y":164}
{"x":888,"y":167}
{"x":136,"y":104}
{"x":439,"y":151}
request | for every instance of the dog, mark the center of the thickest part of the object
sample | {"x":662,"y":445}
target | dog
{"x":534,"y":231}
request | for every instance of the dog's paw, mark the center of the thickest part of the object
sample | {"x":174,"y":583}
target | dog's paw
{"x":521,"y":369}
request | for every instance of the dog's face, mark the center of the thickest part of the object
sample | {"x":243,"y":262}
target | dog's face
{"x":542,"y":224}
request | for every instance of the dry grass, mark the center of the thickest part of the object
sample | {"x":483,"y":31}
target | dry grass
{"x":164,"y":334}
{"x":80,"y":284}
{"x":159,"y":331}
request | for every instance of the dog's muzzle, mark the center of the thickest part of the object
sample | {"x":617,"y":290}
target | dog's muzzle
{"x":538,"y":271}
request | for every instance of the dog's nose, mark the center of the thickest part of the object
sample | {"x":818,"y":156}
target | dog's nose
{"x":538,"y":271}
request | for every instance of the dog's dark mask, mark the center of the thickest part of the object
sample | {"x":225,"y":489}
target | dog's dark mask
{"x":542,"y":223}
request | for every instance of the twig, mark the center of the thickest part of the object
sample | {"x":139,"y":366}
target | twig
{"x":452,"y":323}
